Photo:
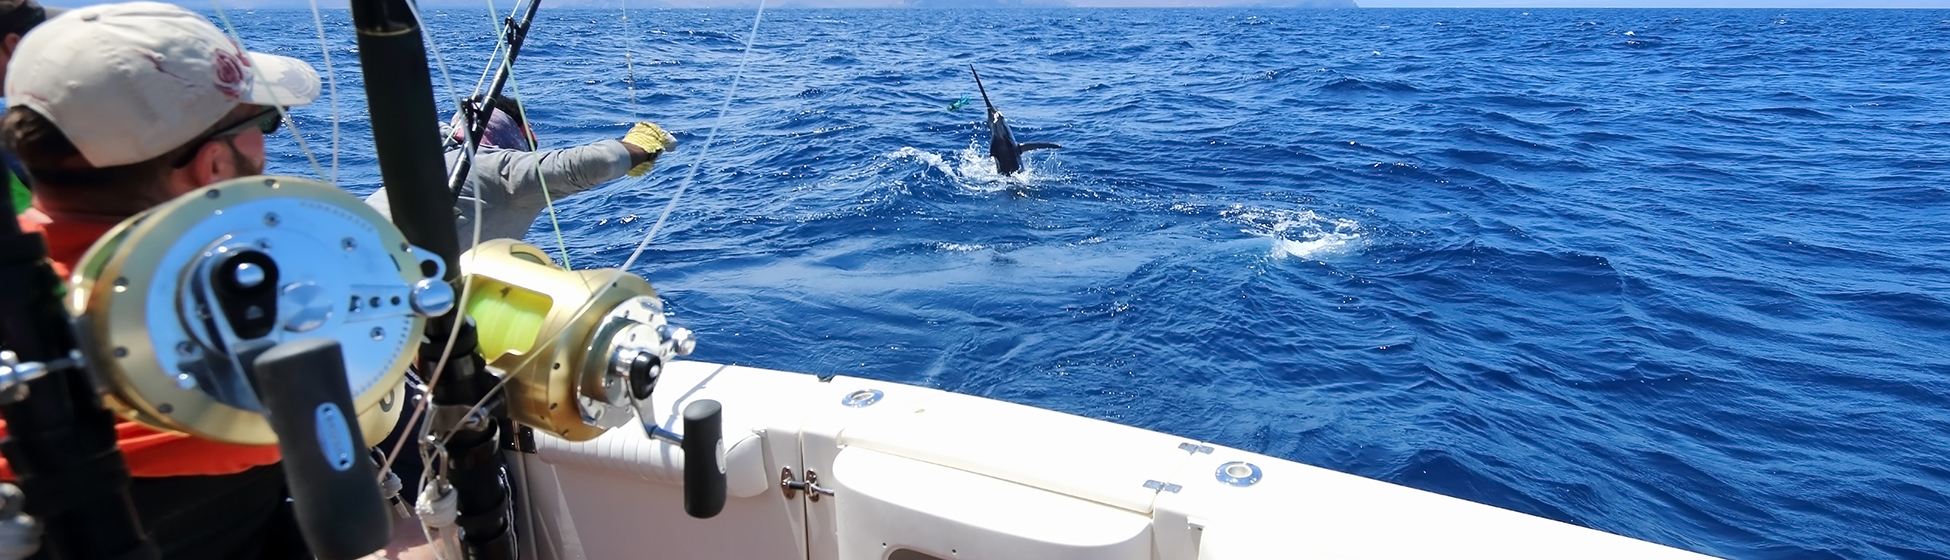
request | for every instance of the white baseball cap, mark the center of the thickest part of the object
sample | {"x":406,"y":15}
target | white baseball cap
{"x":129,"y":82}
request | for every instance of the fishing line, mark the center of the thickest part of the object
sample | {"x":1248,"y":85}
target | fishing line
{"x":446,"y":353}
{"x":331,"y":85}
{"x":426,"y":36}
{"x":709,"y":138}
{"x":282,"y":111}
{"x":548,"y":199}
{"x":629,"y":66}
{"x":319,"y":23}
{"x":503,"y":51}
{"x":743,"y":60}
{"x":500,"y":40}
{"x":482,"y":82}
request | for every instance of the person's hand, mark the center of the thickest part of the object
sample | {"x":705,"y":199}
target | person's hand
{"x":653,"y":141}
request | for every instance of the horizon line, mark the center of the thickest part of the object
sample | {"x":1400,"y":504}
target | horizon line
{"x":592,"y":6}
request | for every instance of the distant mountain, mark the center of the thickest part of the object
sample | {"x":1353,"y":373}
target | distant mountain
{"x":744,"y":4}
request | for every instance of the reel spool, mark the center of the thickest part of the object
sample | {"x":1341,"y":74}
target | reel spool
{"x":173,"y":304}
{"x":613,"y":339}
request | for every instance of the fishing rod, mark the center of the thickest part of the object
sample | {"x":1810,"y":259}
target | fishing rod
{"x":477,"y":111}
{"x":406,"y":137}
{"x":60,"y":439}
{"x":609,"y":341}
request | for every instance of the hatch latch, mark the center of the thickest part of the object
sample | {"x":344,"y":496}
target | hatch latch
{"x":810,"y":486}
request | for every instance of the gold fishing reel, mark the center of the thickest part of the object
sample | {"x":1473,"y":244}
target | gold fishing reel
{"x":584,"y":347}
{"x":173,"y":304}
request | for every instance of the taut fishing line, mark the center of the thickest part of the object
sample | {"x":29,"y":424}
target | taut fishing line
{"x":724,"y":108}
{"x":446,"y":352}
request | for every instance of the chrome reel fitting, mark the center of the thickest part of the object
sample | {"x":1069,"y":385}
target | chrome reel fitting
{"x":14,"y":374}
{"x":639,"y":342}
{"x":610,"y":339}
{"x":174,"y":304}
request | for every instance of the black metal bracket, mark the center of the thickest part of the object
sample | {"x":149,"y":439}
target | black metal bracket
{"x":60,"y":440}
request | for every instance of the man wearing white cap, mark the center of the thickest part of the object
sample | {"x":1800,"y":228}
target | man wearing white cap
{"x":115,"y":109}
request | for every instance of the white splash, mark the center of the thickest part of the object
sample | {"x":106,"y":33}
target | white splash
{"x":969,"y":169}
{"x":975,"y":170}
{"x":1300,"y":234}
{"x":932,"y":160}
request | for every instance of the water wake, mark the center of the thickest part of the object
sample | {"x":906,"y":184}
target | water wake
{"x":1300,"y":234}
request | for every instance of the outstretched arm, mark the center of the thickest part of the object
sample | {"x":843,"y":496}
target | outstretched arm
{"x":521,"y":176}
{"x":564,"y":172}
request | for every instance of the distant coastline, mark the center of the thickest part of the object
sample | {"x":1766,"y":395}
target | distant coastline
{"x":830,"y":4}
{"x":1134,"y":4}
{"x":1316,"y":4}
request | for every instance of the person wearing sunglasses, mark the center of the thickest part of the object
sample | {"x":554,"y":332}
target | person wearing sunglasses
{"x":114,"y":109}
{"x":509,"y":175}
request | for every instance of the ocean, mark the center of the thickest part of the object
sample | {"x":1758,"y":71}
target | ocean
{"x":1678,"y":275}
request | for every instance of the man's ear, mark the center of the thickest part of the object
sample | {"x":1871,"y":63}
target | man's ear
{"x":11,"y":42}
{"x":213,"y":162}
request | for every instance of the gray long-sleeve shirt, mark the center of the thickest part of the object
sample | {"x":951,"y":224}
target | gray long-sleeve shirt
{"x":513,"y":181}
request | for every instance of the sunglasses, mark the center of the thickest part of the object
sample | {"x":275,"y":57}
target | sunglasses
{"x":266,"y":121}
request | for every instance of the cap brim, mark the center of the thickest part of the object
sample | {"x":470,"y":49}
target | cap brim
{"x":53,"y":12}
{"x":282,"y":81}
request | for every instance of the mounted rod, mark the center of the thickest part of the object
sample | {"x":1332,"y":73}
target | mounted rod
{"x":60,"y":440}
{"x":477,"y":111}
{"x":406,"y":135}
{"x":405,"y":129}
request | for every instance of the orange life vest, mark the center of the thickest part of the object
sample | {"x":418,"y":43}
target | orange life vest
{"x":150,"y":453}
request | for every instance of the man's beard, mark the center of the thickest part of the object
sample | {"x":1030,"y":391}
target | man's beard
{"x":245,"y":167}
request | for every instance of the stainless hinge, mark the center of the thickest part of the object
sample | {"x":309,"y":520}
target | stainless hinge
{"x":810,"y":486}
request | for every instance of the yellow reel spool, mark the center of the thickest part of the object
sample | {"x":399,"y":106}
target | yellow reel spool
{"x":517,"y":296}
{"x":154,"y":326}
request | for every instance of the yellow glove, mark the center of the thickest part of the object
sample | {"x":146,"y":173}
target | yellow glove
{"x":652,"y":139}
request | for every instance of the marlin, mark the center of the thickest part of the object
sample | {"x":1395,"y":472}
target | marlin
{"x":1002,"y":144}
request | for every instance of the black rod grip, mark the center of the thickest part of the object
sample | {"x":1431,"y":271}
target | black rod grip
{"x":334,"y":488}
{"x":704,"y":485}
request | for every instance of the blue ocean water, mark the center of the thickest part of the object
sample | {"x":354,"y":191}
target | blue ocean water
{"x":1674,"y":274}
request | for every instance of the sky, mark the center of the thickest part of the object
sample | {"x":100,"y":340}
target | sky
{"x":1654,"y":3}
{"x":1777,"y":4}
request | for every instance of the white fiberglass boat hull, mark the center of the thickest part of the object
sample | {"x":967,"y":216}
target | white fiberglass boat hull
{"x":918,"y":473}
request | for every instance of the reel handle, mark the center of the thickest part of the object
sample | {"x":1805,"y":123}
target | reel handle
{"x":704,"y":468}
{"x":334,"y":487}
